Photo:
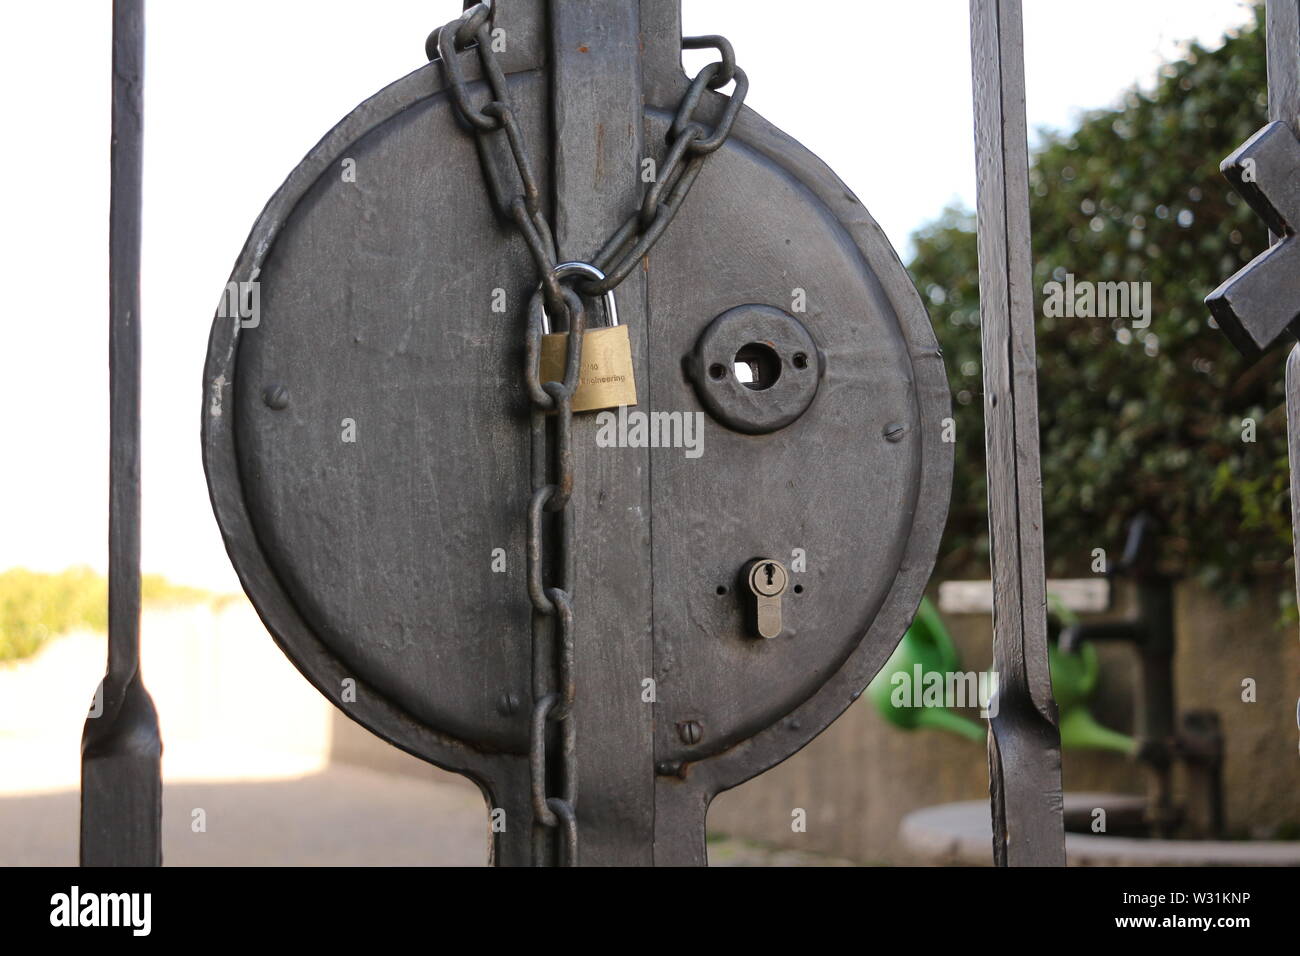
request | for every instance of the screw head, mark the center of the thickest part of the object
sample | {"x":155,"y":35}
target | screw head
{"x":690,"y":731}
{"x":894,"y":432}
{"x":508,"y":704}
{"x":276,"y":397}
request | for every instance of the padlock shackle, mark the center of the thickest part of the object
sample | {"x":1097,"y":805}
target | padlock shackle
{"x":587,"y":270}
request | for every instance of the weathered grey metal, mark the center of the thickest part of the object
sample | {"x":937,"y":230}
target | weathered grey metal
{"x":599,"y":140}
{"x":1024,"y":743}
{"x":1260,"y":303}
{"x":1282,"y":32}
{"x":786,"y":363}
{"x":1283,"y":36}
{"x":370,"y":561}
{"x":121,"y":750}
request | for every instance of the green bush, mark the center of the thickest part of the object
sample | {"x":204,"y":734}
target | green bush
{"x":35,"y":606}
{"x":1135,"y":419}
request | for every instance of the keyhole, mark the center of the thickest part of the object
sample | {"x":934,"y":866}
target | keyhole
{"x":757,"y":366}
{"x":771,"y":573}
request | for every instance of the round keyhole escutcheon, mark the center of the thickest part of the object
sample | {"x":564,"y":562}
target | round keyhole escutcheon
{"x":756,"y":368}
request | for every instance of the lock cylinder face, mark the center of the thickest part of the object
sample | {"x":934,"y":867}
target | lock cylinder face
{"x":764,"y":581}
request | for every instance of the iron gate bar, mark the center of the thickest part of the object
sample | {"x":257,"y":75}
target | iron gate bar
{"x":598,"y":141}
{"x":1260,"y":303}
{"x":1024,"y":742}
{"x":1282,"y":32}
{"x":121,"y":750}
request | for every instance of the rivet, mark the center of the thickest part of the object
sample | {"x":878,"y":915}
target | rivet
{"x":276,"y":396}
{"x":894,"y":432}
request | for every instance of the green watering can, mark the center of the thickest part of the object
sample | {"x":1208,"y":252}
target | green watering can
{"x":898,"y":691}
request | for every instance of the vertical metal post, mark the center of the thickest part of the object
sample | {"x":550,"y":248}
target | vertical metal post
{"x":598,"y":126}
{"x":121,"y":752}
{"x":1282,"y":32}
{"x":1024,"y":742}
{"x":1282,"y":29}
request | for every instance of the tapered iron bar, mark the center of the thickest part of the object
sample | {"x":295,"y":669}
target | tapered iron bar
{"x":121,"y":750}
{"x":1024,"y":742}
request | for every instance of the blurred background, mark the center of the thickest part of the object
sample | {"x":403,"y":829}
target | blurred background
{"x":1131,"y":107}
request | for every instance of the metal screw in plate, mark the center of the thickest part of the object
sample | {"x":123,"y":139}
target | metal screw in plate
{"x":276,"y":397}
{"x":894,"y":432}
{"x":690,"y":731}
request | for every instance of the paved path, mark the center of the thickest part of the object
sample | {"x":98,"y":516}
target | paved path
{"x":341,"y":816}
{"x":252,"y":746}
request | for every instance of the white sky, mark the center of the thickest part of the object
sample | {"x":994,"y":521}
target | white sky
{"x":237,"y":91}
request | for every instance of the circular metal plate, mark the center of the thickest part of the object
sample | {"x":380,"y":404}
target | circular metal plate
{"x":367,"y":447}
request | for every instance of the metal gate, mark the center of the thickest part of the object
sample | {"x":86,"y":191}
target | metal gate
{"x":515,"y":691}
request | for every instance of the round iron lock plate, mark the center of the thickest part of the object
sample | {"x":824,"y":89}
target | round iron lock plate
{"x":369,"y":452}
{"x":756,"y":368}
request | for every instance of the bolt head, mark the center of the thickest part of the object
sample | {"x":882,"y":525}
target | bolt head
{"x":276,"y":397}
{"x":690,"y":731}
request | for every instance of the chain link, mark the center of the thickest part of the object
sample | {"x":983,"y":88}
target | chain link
{"x":552,"y":627}
{"x":499,"y":136}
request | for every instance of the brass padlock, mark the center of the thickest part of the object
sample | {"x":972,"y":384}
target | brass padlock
{"x":605,"y":377}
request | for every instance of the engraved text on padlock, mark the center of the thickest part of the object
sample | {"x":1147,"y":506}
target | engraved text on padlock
{"x":605,"y":377}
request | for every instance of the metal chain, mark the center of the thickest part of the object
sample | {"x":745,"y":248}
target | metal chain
{"x":688,"y":141}
{"x":688,"y":144}
{"x":552,"y":627}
